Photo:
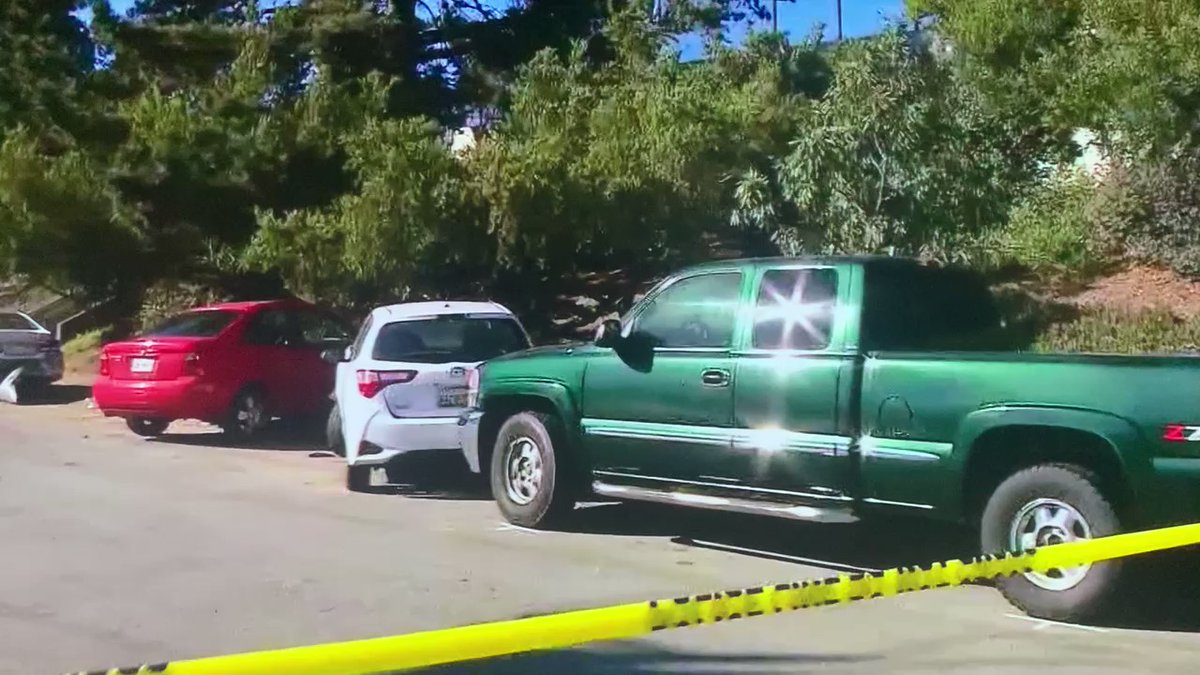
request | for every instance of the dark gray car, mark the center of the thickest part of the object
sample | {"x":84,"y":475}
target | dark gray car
{"x":25,"y":342}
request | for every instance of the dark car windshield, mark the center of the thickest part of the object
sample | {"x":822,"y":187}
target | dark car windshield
{"x":450,"y":338}
{"x":197,"y":324}
{"x":12,"y":321}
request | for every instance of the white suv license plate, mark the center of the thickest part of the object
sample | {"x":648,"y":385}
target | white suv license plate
{"x":141,"y":365}
{"x":452,"y":398}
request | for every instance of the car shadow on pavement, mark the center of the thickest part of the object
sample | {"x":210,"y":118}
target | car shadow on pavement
{"x":639,"y":658}
{"x":434,"y":474}
{"x":57,"y":394}
{"x":280,"y":435}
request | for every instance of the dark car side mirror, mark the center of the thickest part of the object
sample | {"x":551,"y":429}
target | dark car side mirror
{"x":333,"y":355}
{"x":608,"y":334}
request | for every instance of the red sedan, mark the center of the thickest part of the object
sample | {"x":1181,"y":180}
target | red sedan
{"x":235,"y":364}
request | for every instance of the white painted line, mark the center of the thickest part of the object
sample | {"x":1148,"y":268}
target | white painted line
{"x":509,"y":527}
{"x":841,"y":567}
{"x":1043,"y":624}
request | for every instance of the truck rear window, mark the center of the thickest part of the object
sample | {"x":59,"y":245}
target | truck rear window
{"x":454,"y":338}
{"x":197,"y":324}
{"x":916,"y":308}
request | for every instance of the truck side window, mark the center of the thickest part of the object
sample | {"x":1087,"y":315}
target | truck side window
{"x":795,"y":309}
{"x":696,"y":312}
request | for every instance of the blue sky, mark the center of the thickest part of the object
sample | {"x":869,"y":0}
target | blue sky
{"x":859,"y":17}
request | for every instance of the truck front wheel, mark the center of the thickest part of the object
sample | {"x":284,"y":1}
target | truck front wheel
{"x":1049,"y":504}
{"x":529,"y":471}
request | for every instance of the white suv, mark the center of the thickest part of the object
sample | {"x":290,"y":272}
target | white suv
{"x":403,"y":382}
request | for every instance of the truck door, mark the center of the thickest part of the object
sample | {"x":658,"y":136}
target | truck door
{"x":788,"y":404}
{"x":664,"y":410}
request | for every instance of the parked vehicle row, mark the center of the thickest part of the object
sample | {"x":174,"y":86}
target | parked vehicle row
{"x":399,"y":386}
{"x":819,"y":389}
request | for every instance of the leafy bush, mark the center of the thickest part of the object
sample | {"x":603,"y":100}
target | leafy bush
{"x":1050,"y":231}
{"x":1106,"y":330}
{"x":1153,"y":210}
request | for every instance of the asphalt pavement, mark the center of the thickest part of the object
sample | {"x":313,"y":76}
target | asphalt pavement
{"x":118,"y":550}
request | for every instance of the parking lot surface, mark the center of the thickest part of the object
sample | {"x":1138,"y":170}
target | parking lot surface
{"x":119,"y":550}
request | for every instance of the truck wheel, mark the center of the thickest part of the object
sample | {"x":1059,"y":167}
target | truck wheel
{"x":1048,"y":504}
{"x":358,"y":478}
{"x":147,"y":427}
{"x":529,"y":478}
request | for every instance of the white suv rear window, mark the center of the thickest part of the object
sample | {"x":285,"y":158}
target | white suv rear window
{"x":447,"y":339}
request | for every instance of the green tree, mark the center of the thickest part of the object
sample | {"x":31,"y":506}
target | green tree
{"x":46,"y":55}
{"x":1127,"y":68}
{"x":900,"y":154}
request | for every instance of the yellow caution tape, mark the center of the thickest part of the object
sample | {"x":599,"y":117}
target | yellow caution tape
{"x":467,"y":643}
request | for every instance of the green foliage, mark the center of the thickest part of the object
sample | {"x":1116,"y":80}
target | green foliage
{"x":1152,"y":209}
{"x":61,"y":223}
{"x":899,"y":154}
{"x":1113,"y":331}
{"x":1128,"y":68}
{"x":374,"y":242}
{"x":1051,"y":230}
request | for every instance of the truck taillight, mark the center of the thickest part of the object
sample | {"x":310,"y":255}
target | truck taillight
{"x":191,"y":365}
{"x":104,"y":370}
{"x":371,"y":382}
{"x":473,"y":388}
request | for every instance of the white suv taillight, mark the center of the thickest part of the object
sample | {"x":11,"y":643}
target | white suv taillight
{"x":371,"y":382}
{"x":473,"y":388}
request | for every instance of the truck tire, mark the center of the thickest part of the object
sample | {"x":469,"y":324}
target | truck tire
{"x":1047,"y":504}
{"x":530,"y":477}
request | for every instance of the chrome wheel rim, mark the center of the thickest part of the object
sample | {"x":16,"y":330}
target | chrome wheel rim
{"x":523,"y":470}
{"x":1045,"y":522}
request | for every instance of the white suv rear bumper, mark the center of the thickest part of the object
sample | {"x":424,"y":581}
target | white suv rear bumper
{"x":388,"y":437}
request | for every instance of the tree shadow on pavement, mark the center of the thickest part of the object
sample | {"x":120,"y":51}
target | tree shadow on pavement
{"x":1163,"y":593}
{"x":640,"y":658}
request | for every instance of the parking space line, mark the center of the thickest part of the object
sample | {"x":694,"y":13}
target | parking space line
{"x":1043,"y":624}
{"x":509,"y":527}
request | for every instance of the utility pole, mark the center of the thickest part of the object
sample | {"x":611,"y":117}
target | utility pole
{"x":839,"y":17}
{"x":775,"y":16}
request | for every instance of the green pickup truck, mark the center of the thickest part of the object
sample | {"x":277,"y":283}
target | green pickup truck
{"x":838,"y":388}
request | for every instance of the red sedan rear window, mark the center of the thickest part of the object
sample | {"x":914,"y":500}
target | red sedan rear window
{"x":197,"y":324}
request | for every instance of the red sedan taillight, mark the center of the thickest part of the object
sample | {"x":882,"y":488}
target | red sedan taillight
{"x":371,"y":382}
{"x":104,"y":369}
{"x":191,"y":365}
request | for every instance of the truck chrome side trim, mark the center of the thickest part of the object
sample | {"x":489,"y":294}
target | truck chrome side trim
{"x":747,"y":439}
{"x":794,"y":512}
{"x":885,"y":502}
{"x":833,"y":496}
{"x":904,"y":449}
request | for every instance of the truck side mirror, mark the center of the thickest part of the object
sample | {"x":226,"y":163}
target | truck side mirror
{"x":608,"y":335}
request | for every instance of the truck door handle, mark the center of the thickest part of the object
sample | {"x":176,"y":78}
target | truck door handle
{"x":715,"y":377}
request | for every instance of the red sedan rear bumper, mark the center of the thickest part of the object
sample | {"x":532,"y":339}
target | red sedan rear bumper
{"x":180,"y":398}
